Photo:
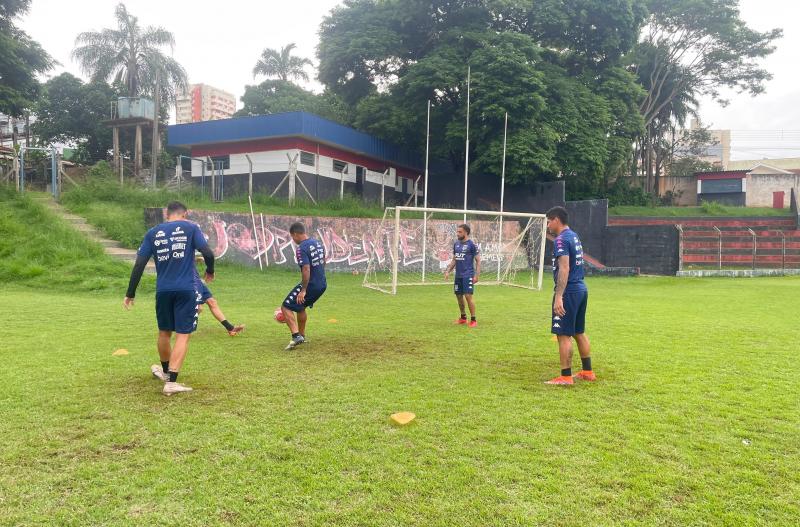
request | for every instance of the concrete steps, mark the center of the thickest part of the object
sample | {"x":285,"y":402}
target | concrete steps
{"x":111,"y":247}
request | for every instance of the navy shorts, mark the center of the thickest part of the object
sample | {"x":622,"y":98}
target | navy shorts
{"x":203,"y":294}
{"x":574,"y":320}
{"x":176,"y":311}
{"x":312,"y":295}
{"x":464,"y":286}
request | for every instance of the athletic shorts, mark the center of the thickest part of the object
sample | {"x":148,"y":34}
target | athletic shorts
{"x":464,"y":286}
{"x":312,"y":295}
{"x":203,"y":294}
{"x":574,"y":320}
{"x":176,"y":311}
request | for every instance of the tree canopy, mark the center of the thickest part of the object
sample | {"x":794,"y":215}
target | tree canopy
{"x":281,"y":64}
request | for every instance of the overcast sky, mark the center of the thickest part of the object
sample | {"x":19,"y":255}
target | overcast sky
{"x":219,"y":42}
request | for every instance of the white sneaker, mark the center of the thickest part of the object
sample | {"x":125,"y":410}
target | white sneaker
{"x":175,"y":387}
{"x":296,"y":341}
{"x":158,"y":372}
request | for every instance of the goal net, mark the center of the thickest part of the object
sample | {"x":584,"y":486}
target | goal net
{"x":414,"y":245}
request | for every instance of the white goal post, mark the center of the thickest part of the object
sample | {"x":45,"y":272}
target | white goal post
{"x":413,"y":246}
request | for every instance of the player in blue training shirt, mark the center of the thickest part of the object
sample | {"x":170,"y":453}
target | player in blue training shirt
{"x":310,"y":255}
{"x":204,"y":296}
{"x":570,"y":298}
{"x":172,"y":244}
{"x":467,"y":263}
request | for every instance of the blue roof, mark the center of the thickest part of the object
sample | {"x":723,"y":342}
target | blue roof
{"x":290,"y":124}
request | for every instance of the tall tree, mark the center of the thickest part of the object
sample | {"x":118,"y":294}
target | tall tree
{"x":71,"y":112}
{"x":277,"y":96}
{"x":21,"y":59}
{"x":131,"y":55}
{"x":281,"y":64}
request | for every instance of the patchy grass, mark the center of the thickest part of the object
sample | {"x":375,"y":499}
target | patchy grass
{"x":707,"y":209}
{"x":693,"y":421}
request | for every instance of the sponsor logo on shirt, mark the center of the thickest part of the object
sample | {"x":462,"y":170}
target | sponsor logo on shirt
{"x":160,"y":233}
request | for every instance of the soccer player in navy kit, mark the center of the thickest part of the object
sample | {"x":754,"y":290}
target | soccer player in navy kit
{"x":172,"y":244}
{"x":204,"y":296}
{"x":310,"y":255}
{"x":467,"y":263}
{"x":570,"y":298}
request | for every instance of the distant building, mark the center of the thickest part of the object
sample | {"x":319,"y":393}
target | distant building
{"x":204,"y":103}
{"x":718,"y":152}
{"x":760,"y":185}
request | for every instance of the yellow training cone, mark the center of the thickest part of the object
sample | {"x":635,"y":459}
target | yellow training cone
{"x":333,"y":321}
{"x":120,"y":352}
{"x":402,"y":418}
{"x":554,"y":338}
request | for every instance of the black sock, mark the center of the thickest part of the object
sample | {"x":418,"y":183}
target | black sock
{"x":227,"y":325}
{"x":567,"y":372}
{"x":586,"y":363}
{"x":472,"y":318}
{"x":165,"y":366}
{"x":173,"y":376}
{"x":295,"y":335}
{"x":463,"y":316}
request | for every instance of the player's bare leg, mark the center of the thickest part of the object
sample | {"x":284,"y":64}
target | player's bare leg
{"x":565,"y":355}
{"x":213,"y":306}
{"x":179,"y":351}
{"x":302,"y":318}
{"x":462,"y":309}
{"x":164,"y":352}
{"x":471,"y":305}
{"x":585,"y":351}
{"x":291,"y":321}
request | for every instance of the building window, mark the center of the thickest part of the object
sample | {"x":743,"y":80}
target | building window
{"x":721,"y":186}
{"x":339,"y":166}
{"x":307,"y":158}
{"x":216,"y":161}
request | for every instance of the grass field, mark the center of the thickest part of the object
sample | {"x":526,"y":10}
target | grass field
{"x":694,"y":419}
{"x":707,"y":209}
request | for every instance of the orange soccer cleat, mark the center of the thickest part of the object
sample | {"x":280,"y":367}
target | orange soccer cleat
{"x":561,"y":379}
{"x":586,"y":375}
{"x":473,"y":323}
{"x":236,"y":330}
{"x":460,"y":321}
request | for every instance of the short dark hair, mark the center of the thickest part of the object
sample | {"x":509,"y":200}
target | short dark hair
{"x":297,"y":228}
{"x":558,"y":212}
{"x":175,"y":207}
{"x":465,"y":227}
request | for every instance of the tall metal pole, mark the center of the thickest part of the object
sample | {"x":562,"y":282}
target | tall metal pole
{"x":425,"y":198}
{"x":502,"y":197}
{"x":466,"y":160}
{"x":156,"y":111}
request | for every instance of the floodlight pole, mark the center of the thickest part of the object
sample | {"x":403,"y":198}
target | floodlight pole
{"x":466,"y":159}
{"x":425,"y":198}
{"x":156,"y":111}
{"x":502,"y":196}
{"x":250,"y":176}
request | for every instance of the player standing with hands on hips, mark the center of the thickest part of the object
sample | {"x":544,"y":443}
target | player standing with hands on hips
{"x":467,"y":263}
{"x":172,"y":244}
{"x":310,"y":256}
{"x":570,"y":298}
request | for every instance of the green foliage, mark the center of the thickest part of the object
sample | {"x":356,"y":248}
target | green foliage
{"x":684,"y":427}
{"x":72,"y":112}
{"x":278,"y":96}
{"x":21,"y":60}
{"x":131,"y":55}
{"x":281,"y":64}
{"x":572,"y":114}
{"x":621,"y":193}
{"x":39,"y":250}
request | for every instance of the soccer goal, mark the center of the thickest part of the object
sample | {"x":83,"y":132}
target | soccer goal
{"x":414,"y":245}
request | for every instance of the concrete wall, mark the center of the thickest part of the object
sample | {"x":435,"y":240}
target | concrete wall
{"x":589,"y":219}
{"x":652,"y":248}
{"x":686,"y":186}
{"x":760,"y":188}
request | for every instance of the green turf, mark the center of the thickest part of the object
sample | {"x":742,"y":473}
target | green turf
{"x":694,"y":419}
{"x":708,"y":209}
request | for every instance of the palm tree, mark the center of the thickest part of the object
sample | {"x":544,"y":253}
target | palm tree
{"x":130,"y":55}
{"x":281,"y":64}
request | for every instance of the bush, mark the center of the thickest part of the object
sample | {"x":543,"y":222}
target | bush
{"x":621,"y":193}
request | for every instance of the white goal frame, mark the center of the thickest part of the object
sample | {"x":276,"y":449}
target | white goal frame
{"x":392,"y":217}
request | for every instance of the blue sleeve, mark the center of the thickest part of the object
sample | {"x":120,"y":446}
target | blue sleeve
{"x":146,"y":248}
{"x":560,"y":247}
{"x":303,"y":256}
{"x":475,"y":249}
{"x":198,"y":238}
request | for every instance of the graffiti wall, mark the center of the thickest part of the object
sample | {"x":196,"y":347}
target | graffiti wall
{"x":349,"y":242}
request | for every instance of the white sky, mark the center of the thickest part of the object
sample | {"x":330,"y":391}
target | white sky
{"x":219,"y":42}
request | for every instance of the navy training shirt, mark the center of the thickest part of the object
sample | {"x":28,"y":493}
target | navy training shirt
{"x":311,"y":252}
{"x":465,"y":253}
{"x":173,"y":244}
{"x":568,"y":244}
